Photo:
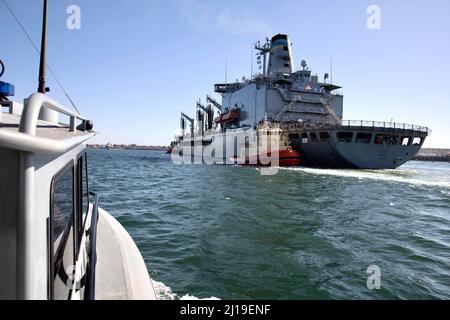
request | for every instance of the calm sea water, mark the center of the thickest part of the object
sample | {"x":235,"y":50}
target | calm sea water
{"x":231,"y":233}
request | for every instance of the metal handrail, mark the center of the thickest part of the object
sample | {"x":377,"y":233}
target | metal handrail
{"x":34,"y":104}
{"x":92,"y":253}
{"x":26,"y":140}
{"x":386,"y":124}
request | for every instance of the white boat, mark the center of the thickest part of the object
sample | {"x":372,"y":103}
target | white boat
{"x":55,"y":240}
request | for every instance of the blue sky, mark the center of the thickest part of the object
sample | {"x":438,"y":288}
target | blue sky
{"x":135,"y":64}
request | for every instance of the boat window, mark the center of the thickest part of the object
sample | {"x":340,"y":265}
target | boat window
{"x":386,"y":139}
{"x":313,"y":137}
{"x":294,"y":137}
{"x":62,"y":233}
{"x":345,"y":137}
{"x":417,"y":141}
{"x":82,"y":194}
{"x":406,"y":141}
{"x":324,"y":136}
{"x":362,"y":137}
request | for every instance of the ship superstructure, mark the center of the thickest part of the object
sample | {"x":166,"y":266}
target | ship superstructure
{"x":304,"y":113}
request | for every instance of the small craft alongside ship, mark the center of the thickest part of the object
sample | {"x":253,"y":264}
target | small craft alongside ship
{"x":299,"y":114}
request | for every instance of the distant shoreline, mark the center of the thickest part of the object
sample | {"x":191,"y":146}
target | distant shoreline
{"x":126,"y":147}
{"x":430,"y":154}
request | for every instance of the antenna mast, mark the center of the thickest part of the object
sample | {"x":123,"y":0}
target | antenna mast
{"x":263,"y":50}
{"x":331,"y":67}
{"x":226,"y":69}
{"x":42,"y":64}
{"x":251,"y":64}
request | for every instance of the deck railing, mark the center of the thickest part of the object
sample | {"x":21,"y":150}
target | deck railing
{"x":333,"y":125}
{"x":25,"y":138}
{"x":386,"y":125}
{"x":32,"y":109}
{"x":92,"y":253}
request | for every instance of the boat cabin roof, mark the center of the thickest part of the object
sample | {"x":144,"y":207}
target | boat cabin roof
{"x":44,"y":129}
{"x":35,"y":127}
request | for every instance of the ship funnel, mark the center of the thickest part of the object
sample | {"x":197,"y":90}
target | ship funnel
{"x":280,"y":59}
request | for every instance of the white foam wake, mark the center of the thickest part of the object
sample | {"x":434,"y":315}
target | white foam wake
{"x":382,"y":175}
{"x":164,"y":292}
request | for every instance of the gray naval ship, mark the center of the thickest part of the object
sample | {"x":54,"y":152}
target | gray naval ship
{"x":307,"y":114}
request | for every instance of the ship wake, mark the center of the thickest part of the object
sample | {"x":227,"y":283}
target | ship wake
{"x":406,"y":176}
{"x":164,"y":292}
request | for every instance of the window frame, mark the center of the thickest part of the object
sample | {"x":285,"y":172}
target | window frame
{"x":324,"y":137}
{"x":409,"y":141}
{"x":345,"y":136}
{"x":77,"y":225}
{"x":360,"y":137}
{"x":386,"y":139}
{"x":79,"y":199}
{"x":55,"y":256}
{"x":415,"y":144}
{"x":313,"y":137}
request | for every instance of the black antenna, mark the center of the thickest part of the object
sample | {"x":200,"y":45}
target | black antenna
{"x":331,"y":68}
{"x":2,"y":68}
{"x":42,"y":64}
{"x":226,"y":69}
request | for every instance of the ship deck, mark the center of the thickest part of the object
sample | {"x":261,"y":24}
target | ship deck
{"x":120,"y":270}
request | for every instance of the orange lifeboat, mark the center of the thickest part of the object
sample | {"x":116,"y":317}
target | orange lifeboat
{"x":229,"y":116}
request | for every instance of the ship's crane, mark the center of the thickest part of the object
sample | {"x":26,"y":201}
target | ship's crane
{"x":183,"y":120}
{"x":201,"y":112}
{"x":208,"y":111}
{"x":201,"y":106}
{"x":200,"y":117}
{"x":209,"y":99}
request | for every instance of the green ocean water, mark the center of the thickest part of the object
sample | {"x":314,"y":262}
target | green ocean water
{"x":231,"y":233}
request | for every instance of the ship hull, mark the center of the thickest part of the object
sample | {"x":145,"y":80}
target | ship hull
{"x":354,"y":154}
{"x":355,"y":157}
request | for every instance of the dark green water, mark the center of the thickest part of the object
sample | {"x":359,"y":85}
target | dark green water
{"x":228,"y":232}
